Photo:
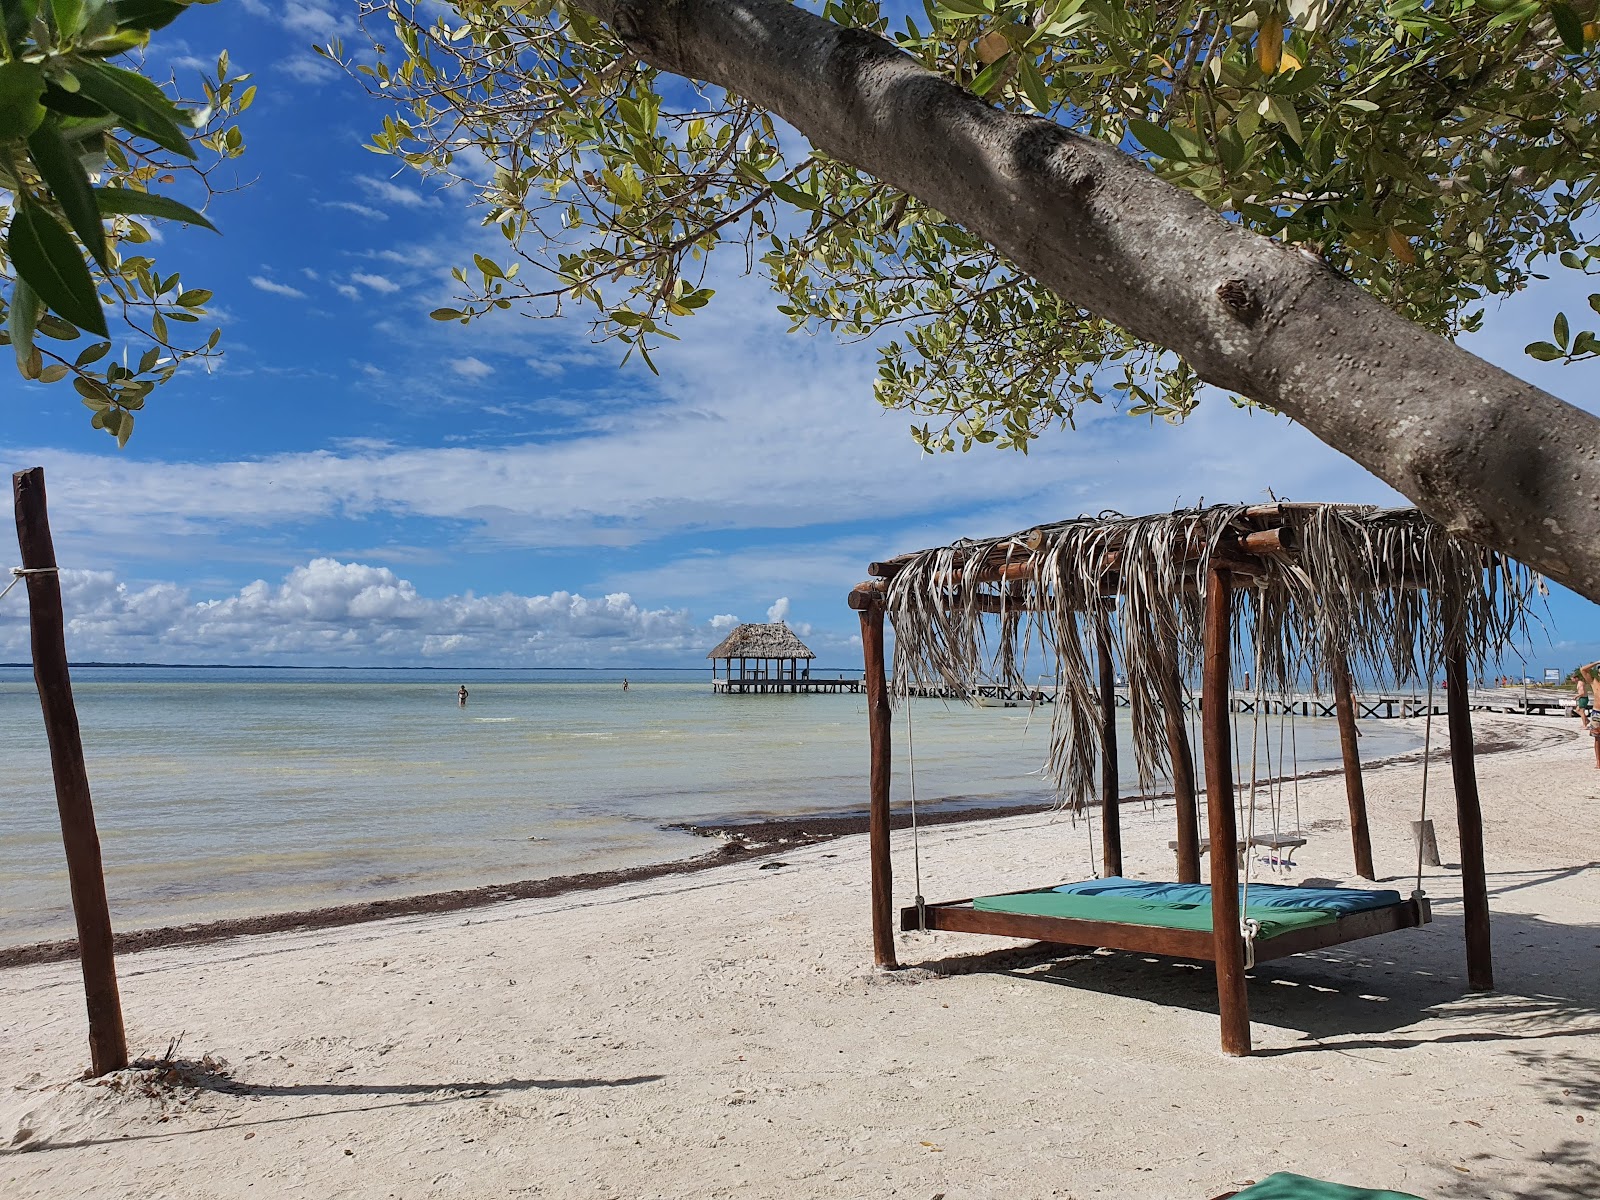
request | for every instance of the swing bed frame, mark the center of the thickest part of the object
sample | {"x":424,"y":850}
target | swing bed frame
{"x":1225,"y":944}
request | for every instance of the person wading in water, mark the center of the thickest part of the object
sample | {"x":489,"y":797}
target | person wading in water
{"x":461,"y":696}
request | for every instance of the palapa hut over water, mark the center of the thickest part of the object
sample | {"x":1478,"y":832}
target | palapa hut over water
{"x":1283,"y":591}
{"x":769,"y":658}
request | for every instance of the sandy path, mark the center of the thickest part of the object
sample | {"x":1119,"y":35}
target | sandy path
{"x":719,"y":1035}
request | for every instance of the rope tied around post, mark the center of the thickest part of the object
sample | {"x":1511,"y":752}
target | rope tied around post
{"x":18,"y":574}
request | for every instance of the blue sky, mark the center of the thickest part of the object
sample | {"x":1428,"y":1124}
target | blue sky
{"x":359,"y":484}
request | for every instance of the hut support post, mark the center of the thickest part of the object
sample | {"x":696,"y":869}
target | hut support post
{"x":883,"y":952}
{"x":1469,"y":817}
{"x":1232,"y":1000}
{"x":1183,"y":794}
{"x":1355,"y":790}
{"x":1110,"y":782}
{"x":108,"y":1043}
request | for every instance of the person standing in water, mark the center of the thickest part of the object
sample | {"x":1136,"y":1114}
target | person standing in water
{"x":461,"y":696}
{"x":624,"y":685}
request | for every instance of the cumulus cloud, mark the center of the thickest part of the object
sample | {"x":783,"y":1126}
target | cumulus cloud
{"x":723,"y":621}
{"x":389,"y":192}
{"x":277,"y":289}
{"x":332,"y":611}
{"x":378,"y":283}
{"x":361,"y":210}
{"x":471,"y":368}
{"x":779,"y":611}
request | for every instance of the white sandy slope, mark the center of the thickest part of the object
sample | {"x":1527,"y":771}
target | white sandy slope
{"x":721,"y":1034}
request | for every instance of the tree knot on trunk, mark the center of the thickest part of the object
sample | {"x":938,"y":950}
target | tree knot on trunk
{"x":1238,"y":298}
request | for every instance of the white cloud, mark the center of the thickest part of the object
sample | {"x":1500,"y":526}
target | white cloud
{"x":333,"y":611}
{"x":277,"y":289}
{"x":779,"y":610}
{"x":389,"y":192}
{"x":348,"y":290}
{"x":308,"y":68}
{"x":723,"y":621}
{"x":471,"y":368}
{"x":361,"y":210}
{"x":378,"y":283}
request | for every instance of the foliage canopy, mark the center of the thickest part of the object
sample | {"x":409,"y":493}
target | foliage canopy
{"x":1438,"y":152}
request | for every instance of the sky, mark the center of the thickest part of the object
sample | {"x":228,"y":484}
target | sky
{"x":356,"y":484}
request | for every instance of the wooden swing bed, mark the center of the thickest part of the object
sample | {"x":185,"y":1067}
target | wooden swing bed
{"x":1227,"y":560}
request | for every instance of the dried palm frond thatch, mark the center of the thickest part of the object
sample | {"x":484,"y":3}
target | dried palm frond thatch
{"x":1377,"y":591}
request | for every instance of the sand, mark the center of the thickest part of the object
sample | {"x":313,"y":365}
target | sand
{"x":721,"y":1034}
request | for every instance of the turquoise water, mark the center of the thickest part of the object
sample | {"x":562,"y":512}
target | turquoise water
{"x":231,"y":792}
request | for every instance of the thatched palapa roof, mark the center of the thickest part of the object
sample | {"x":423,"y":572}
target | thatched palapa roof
{"x":1316,"y":589}
{"x":776,"y":640}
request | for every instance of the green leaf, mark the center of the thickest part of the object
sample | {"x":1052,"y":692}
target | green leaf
{"x":115,"y":201}
{"x":193,"y":298}
{"x":990,"y":75}
{"x":69,"y":17}
{"x":23,"y":319}
{"x":1543,"y":351}
{"x":18,"y":16}
{"x":148,"y":14}
{"x":143,"y":107}
{"x":1156,"y":140}
{"x":446,"y":314}
{"x":21,"y":109}
{"x":1561,"y":331}
{"x":1033,"y":84}
{"x":62,"y":170}
{"x":45,"y":255}
{"x":1594,"y":302}
{"x":93,"y":352}
{"x":1569,"y":25}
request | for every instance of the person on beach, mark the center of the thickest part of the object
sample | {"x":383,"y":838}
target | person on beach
{"x":461,"y":696}
{"x":624,"y":685}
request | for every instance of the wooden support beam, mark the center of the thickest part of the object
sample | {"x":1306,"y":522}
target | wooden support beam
{"x":1469,"y":817}
{"x":108,"y":1043}
{"x":1110,"y":780}
{"x":1355,"y":791}
{"x":883,"y":952}
{"x":1232,"y":1000}
{"x":1181,"y":754}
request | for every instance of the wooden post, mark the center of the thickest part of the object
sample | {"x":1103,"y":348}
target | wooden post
{"x":1355,"y":790}
{"x":1183,"y":794}
{"x":883,"y":952}
{"x":108,"y":1044}
{"x":1232,"y":1000}
{"x":1469,"y":817}
{"x":1110,"y":782}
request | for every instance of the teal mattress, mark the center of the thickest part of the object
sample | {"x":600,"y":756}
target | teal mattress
{"x":1288,"y":1186}
{"x":1276,"y":909}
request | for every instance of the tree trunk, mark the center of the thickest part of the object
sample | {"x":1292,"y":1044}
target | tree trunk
{"x":1489,"y":456}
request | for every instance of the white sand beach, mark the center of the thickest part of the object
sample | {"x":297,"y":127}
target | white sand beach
{"x":723,"y":1034}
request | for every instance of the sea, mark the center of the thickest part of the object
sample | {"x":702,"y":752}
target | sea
{"x":225,"y":792}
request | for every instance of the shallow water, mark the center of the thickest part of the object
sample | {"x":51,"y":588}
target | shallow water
{"x":230,"y":792}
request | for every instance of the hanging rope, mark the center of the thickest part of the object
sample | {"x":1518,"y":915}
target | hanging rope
{"x":916,"y":833}
{"x":20,"y":573}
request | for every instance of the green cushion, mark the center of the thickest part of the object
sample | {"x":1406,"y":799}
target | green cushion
{"x":1145,"y":912}
{"x":1286,"y":1186}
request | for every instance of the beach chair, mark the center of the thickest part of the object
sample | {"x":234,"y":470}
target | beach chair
{"x":1286,"y":1185}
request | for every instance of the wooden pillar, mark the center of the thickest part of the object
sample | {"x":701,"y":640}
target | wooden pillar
{"x":1355,"y":790}
{"x":871,"y":608}
{"x":1232,"y":999}
{"x":1183,"y":794}
{"x":108,"y":1044}
{"x":1469,"y":817}
{"x":1110,"y":783}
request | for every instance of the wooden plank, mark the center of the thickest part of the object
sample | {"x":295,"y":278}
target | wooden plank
{"x":1469,"y":819}
{"x":883,"y":951}
{"x":1355,"y":791}
{"x":1110,"y":781}
{"x":1228,"y":949}
{"x":1181,"y":755}
{"x":1408,"y":914}
{"x":1066,"y":931}
{"x":108,"y":1043}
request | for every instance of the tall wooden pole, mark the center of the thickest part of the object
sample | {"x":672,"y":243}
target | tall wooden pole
{"x":1182,"y":756}
{"x":1232,"y":1000}
{"x":1469,"y":818}
{"x":108,"y":1044}
{"x":1110,"y":780}
{"x":883,"y":952}
{"x":1355,"y":791}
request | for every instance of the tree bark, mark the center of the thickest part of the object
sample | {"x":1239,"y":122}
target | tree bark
{"x":1491,"y":457}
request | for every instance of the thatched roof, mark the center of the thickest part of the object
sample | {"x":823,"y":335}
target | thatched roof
{"x":776,"y":640}
{"x":1316,"y":587}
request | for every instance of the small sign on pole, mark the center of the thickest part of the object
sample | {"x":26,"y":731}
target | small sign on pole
{"x":1552,"y":675}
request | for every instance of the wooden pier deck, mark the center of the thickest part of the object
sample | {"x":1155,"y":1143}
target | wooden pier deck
{"x":1377,"y":706}
{"x":751,"y":686}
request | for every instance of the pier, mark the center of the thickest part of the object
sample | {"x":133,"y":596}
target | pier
{"x":759,"y":685}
